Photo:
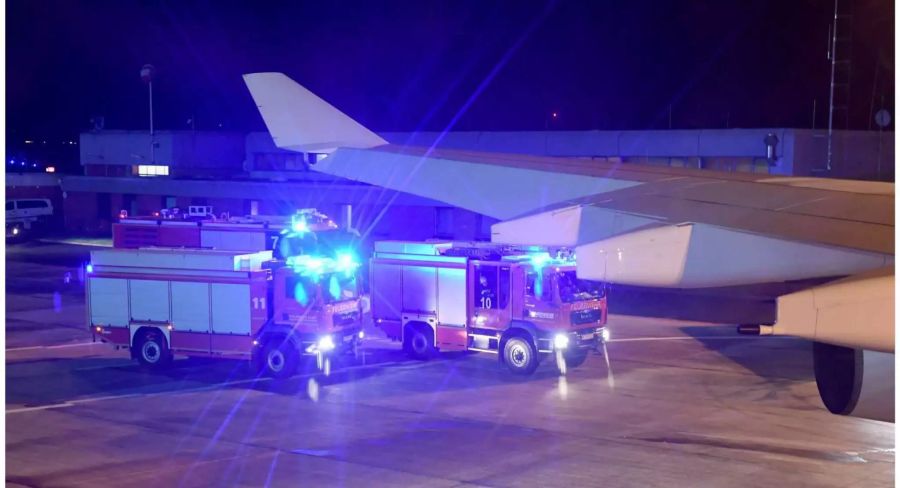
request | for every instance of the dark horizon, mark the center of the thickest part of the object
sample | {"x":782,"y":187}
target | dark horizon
{"x":405,"y":66}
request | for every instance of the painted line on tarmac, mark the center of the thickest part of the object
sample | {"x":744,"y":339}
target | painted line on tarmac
{"x":41,"y":407}
{"x":72,"y":403}
{"x":704,"y":338}
{"x":57,"y":346}
{"x":79,"y":242}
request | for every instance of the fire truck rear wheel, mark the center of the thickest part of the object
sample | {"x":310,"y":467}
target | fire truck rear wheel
{"x":151,"y":349}
{"x":279,"y":359}
{"x":520,"y":356}
{"x":418,"y":342}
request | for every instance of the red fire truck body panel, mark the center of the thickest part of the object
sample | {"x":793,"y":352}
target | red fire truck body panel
{"x":202,"y":302}
{"x":205,"y":302}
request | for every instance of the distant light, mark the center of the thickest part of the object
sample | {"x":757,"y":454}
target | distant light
{"x":29,"y":141}
{"x":34,"y":165}
{"x":89,"y":268}
{"x":361,"y":335}
{"x":555,"y":115}
{"x":50,"y":169}
{"x":15,"y":231}
{"x":12,"y":161}
{"x":23,"y":163}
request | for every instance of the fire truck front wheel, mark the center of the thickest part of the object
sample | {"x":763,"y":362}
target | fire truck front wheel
{"x":576,"y":357}
{"x":151,"y":349}
{"x":520,"y":356}
{"x":279,"y":359}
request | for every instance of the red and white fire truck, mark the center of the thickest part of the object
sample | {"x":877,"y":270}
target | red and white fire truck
{"x":519,"y":303}
{"x":199,"y":227}
{"x":201,"y":302}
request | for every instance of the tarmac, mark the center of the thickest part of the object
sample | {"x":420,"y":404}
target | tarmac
{"x":672,"y":403}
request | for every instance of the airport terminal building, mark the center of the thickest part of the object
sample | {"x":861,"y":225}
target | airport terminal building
{"x":245,"y":174}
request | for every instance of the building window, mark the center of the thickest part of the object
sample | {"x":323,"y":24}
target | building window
{"x":152,"y":170}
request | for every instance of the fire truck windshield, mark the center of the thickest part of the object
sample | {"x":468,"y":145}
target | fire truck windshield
{"x":337,"y":287}
{"x":572,"y":289}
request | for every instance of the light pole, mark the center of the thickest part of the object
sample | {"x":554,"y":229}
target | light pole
{"x":147,"y":76}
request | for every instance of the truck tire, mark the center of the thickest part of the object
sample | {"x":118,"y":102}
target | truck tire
{"x":152,"y":350}
{"x":576,"y":357}
{"x":520,"y":356}
{"x":278,"y":358}
{"x":418,"y":342}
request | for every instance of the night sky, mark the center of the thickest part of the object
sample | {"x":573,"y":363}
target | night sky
{"x":458,"y":65}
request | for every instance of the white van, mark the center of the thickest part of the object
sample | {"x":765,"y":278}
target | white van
{"x":28,"y":209}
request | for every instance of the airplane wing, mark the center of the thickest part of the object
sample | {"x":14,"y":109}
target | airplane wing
{"x":639,"y":225}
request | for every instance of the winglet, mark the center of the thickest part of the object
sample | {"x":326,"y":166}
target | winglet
{"x":298,"y":120}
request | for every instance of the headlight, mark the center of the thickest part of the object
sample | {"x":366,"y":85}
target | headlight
{"x":604,"y":334}
{"x":325,"y":344}
{"x":361,"y":334}
{"x":560,"y":341}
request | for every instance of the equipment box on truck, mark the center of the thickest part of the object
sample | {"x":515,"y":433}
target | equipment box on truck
{"x":199,"y":302}
{"x":520,"y":303}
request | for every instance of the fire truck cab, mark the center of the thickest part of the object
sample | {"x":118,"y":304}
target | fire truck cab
{"x":520,"y":303}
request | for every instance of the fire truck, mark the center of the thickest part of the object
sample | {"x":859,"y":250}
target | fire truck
{"x":522,"y":304}
{"x":199,"y":227}
{"x":157,"y":302}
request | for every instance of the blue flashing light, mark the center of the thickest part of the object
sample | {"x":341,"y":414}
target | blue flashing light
{"x":346,"y":262}
{"x":300,"y":294}
{"x":306,"y":264}
{"x":299,"y":225}
{"x":540,"y":259}
{"x":334,"y":288}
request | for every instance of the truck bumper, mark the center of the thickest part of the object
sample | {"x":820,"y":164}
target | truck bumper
{"x":587,"y":338}
{"x":341,"y":342}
